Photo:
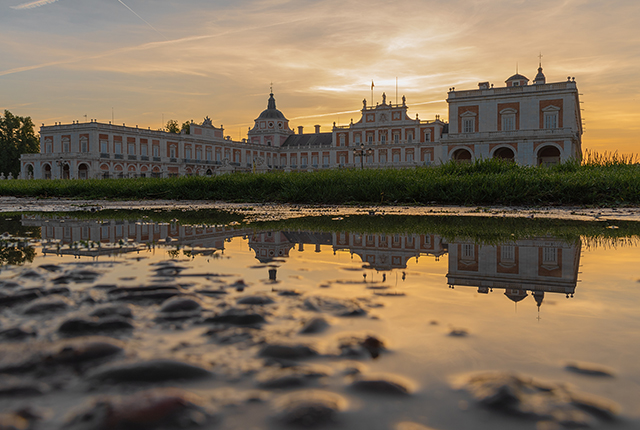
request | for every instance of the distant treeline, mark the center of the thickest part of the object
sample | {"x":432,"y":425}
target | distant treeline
{"x":610,"y":182}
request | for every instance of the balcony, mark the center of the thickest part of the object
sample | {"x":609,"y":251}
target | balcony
{"x":118,"y":156}
{"x":156,"y":159}
{"x":173,"y":160}
{"x":104,"y":155}
{"x":144,"y":158}
{"x":132,"y":157}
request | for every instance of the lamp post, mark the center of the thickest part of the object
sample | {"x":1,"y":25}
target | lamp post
{"x":362,"y":153}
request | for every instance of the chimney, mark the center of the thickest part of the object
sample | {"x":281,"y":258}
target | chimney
{"x":300,"y":129}
{"x":317,"y":129}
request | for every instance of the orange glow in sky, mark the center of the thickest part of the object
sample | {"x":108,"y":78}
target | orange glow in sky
{"x":146,"y":61}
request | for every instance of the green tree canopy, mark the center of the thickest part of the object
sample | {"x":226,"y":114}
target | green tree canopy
{"x":172,"y":126}
{"x":186,"y":127}
{"x":17,"y":136}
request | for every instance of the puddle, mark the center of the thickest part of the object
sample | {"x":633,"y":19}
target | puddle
{"x":155,"y":320}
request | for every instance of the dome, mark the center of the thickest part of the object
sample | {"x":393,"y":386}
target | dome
{"x":517,"y":77}
{"x":516,"y":295}
{"x":540,"y":77}
{"x":271,"y":112}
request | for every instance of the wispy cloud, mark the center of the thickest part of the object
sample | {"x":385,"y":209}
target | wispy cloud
{"x":33,"y":4}
{"x":141,"y":18}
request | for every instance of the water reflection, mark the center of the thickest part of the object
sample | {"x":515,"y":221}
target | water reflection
{"x":519,"y":268}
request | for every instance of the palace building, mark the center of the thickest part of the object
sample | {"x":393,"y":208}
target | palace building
{"x":531,"y":124}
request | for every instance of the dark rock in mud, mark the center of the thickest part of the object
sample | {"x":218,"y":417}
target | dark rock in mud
{"x":527,"y":398}
{"x":51,"y":303}
{"x":289,"y":378}
{"x":77,"y":276}
{"x":169,"y":270}
{"x":287,"y":352}
{"x":237,"y":317}
{"x":50,"y":267}
{"x":9,"y":284}
{"x":159,"y":370}
{"x":458,"y":332}
{"x":335,"y":306}
{"x":21,"y":296}
{"x":30,"y":274}
{"x":17,"y":333}
{"x":358,"y":346}
{"x":123,"y":311}
{"x":388,"y":385}
{"x":315,"y":325}
{"x":83,"y":326}
{"x":180,"y":304}
{"x":86,"y":349}
{"x":309,"y":408}
{"x":15,"y":387}
{"x":287,"y":293}
{"x":215,"y":293}
{"x":255,"y":300}
{"x":160,"y":408}
{"x":589,"y":369}
{"x":150,"y":293}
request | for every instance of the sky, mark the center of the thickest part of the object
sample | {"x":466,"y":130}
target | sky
{"x":144,"y":62}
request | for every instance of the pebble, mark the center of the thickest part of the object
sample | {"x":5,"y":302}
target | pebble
{"x":180,"y":304}
{"x":123,"y":311}
{"x":386,"y":384}
{"x":158,"y":370}
{"x":77,"y":276}
{"x":51,"y":303}
{"x":237,"y":317}
{"x":309,"y":408}
{"x":335,"y":306}
{"x":255,"y":300}
{"x":17,"y":333}
{"x":315,"y":325}
{"x":289,"y":378}
{"x":524,"y":397}
{"x":458,"y":332}
{"x":80,"y":326}
{"x":589,"y":369}
{"x":86,"y":349}
{"x":357,"y":346}
{"x":287,"y":352}
{"x":160,"y":408}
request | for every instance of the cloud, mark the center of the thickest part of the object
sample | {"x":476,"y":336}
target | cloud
{"x":33,"y":4}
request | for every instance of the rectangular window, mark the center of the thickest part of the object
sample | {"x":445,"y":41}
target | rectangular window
{"x":172,"y":152}
{"x":325,"y":160}
{"x":549,"y":255}
{"x":410,"y":157}
{"x":396,"y":157}
{"x":468,"y":125}
{"x":342,"y":159}
{"x":208,"y":155}
{"x":104,"y":146}
{"x":314,"y":160}
{"x":383,"y":158}
{"x":410,"y":138}
{"x":303,"y":161}
{"x":84,"y":145}
{"x":370,"y":138}
{"x":507,"y":254}
{"x":143,"y":150}
{"x":65,"y":145}
{"x":187,"y":153}
{"x":550,"y":120}
{"x":357,"y":138}
{"x":396,"y":138}
{"x":156,"y":150}
{"x":508,"y":123}
{"x":468,"y":251}
{"x":132,"y":148}
{"x":198,"y":154}
{"x":383,"y":139}
{"x":118,"y":147}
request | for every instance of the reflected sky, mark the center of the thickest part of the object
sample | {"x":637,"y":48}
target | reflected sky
{"x":445,"y":307}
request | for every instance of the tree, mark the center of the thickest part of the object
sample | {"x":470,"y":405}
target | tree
{"x":172,"y":126}
{"x":17,"y":137}
{"x":186,"y":127}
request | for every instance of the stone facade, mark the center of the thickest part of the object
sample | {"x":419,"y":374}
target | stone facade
{"x":529,"y":124}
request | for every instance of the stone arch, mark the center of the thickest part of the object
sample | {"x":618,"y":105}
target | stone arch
{"x":66,"y":171}
{"x":462,"y":155}
{"x":118,"y":168}
{"x":504,"y":153}
{"x":83,"y":171}
{"x":28,"y":171}
{"x":46,"y":171}
{"x":548,"y":155}
{"x":209,"y":172}
{"x":144,"y":169}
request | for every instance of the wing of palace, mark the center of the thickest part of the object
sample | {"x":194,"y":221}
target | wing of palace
{"x":536,"y":123}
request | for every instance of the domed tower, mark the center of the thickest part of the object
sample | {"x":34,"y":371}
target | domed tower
{"x":517,"y":80}
{"x":271,"y":128}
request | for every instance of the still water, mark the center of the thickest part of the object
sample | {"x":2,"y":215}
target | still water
{"x":344,"y":327}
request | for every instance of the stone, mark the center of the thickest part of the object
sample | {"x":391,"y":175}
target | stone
{"x":335,"y":306}
{"x":309,"y":408}
{"x":255,"y":300}
{"x":51,"y":303}
{"x":237,"y":317}
{"x":384,"y":384}
{"x":589,"y":369}
{"x":315,"y":325}
{"x":287,"y":352}
{"x":86,"y":349}
{"x":123,"y":311}
{"x":81,"y":326}
{"x":357,"y":346}
{"x":158,"y":370}
{"x":17,"y":333}
{"x":159,"y":408}
{"x":526,"y":398}
{"x":180,"y":304}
